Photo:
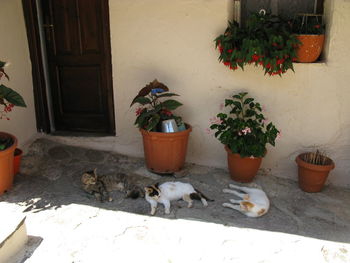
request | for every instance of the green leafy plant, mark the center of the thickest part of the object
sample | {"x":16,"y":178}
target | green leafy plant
{"x":244,"y":130}
{"x":266,"y":40}
{"x":153,"y":109}
{"x":8,"y":97}
{"x":308,"y":24}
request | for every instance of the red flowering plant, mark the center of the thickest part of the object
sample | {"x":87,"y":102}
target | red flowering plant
{"x":308,"y":24}
{"x":152,"y":109}
{"x":266,"y":40}
{"x":244,"y":130}
{"x":8,"y":97}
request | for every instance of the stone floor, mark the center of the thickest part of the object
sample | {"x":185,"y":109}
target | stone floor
{"x":67,"y":225}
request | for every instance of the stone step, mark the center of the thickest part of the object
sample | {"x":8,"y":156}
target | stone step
{"x":13,"y":236}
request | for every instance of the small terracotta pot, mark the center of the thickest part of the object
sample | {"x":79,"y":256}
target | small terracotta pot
{"x":6,"y":165}
{"x":310,"y":48}
{"x":165,"y":152}
{"x":312,"y":177}
{"x":242,"y":169}
{"x":17,"y":160}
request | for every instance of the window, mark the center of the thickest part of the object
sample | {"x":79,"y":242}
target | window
{"x":285,"y":8}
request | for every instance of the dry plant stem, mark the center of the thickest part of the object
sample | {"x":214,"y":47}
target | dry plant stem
{"x":316,"y":158}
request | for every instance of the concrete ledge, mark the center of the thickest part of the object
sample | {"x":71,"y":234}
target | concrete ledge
{"x":13,"y":236}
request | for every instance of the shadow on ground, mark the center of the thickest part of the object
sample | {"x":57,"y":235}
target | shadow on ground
{"x":50,"y":178}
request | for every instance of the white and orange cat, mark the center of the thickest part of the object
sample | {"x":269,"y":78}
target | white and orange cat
{"x":254,"y":202}
{"x":171,"y":191}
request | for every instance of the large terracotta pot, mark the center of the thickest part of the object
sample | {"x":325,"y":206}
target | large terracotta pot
{"x":6,"y":165}
{"x":242,"y":169}
{"x":310,"y":48}
{"x":312,"y":177}
{"x":165,"y":152}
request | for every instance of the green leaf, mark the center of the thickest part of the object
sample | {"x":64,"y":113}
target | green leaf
{"x":167,"y":95}
{"x":153,"y":121}
{"x":248,"y":100}
{"x":171,"y":104}
{"x":141,"y":100}
{"x":11,"y":96}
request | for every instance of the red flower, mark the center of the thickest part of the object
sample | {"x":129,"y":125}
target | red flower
{"x":317,"y":26}
{"x":167,"y":112}
{"x":227,"y":63}
{"x":230,"y":50}
{"x":255,"y":57}
{"x":279,"y":61}
{"x":268,"y":66}
{"x":274,"y":44}
{"x":139,"y":111}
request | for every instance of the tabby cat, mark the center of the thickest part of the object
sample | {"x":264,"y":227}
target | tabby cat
{"x":101,"y":185}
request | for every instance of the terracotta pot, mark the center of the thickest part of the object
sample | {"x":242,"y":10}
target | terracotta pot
{"x":310,"y":48}
{"x":312,"y":177}
{"x":165,"y":152}
{"x":242,"y":169}
{"x":6,"y":165}
{"x":17,"y":160}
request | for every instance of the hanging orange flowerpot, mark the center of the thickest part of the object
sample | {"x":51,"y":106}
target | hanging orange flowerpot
{"x":165,"y":152}
{"x":310,"y":48}
{"x":6,"y":164}
{"x":17,"y":160}
{"x":312,"y":177}
{"x":242,"y":169}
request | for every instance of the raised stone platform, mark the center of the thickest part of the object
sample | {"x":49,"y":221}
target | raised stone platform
{"x":72,"y":224}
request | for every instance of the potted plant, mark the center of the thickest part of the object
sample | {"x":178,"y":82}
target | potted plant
{"x":8,"y":142}
{"x":310,"y":33}
{"x":313,"y":170}
{"x":245,"y":132}
{"x":266,"y":40}
{"x":165,"y":152}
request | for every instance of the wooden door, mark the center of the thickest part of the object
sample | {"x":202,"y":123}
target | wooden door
{"x":78,"y":50}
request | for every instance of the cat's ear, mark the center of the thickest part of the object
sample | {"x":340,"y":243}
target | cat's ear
{"x":156,"y":185}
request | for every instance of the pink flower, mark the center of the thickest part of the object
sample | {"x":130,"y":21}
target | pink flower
{"x":239,"y":133}
{"x":208,"y":131}
{"x":215,"y":120}
{"x":279,"y":135}
{"x":246,"y":130}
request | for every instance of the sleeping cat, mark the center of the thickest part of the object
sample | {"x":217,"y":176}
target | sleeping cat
{"x":101,"y":185}
{"x":171,"y":191}
{"x":254,"y":202}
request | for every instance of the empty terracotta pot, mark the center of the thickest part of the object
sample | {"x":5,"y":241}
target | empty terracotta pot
{"x":312,"y":177}
{"x":242,"y":169}
{"x":6,"y":165}
{"x":165,"y":152}
{"x":310,"y":48}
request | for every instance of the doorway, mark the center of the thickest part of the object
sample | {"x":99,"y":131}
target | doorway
{"x":77,"y":41}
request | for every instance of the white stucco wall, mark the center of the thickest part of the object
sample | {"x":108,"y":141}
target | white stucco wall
{"x":14,"y":49}
{"x":173,"y":42}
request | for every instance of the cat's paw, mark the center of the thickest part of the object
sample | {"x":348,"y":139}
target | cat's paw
{"x":227,"y":191}
{"x":167,"y":212}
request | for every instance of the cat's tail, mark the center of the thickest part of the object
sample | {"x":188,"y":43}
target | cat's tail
{"x":201,"y":195}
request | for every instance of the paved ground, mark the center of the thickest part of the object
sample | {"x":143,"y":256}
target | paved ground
{"x":67,"y":225}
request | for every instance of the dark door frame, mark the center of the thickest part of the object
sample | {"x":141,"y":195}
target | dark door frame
{"x":39,"y":85}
